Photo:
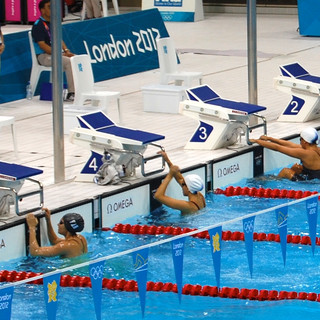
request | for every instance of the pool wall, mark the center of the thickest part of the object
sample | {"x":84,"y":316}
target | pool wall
{"x":137,"y":199}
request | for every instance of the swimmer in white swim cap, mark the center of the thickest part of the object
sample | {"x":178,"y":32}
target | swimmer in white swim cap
{"x":191,"y":186}
{"x":307,"y":151}
{"x":72,"y":245}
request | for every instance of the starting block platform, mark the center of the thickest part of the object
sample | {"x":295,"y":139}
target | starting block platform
{"x":305,"y":91}
{"x":102,"y":136}
{"x":12,"y":177}
{"x":221,"y":122}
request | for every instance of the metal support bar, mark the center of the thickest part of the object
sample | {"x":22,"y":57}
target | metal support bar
{"x":259,"y":125}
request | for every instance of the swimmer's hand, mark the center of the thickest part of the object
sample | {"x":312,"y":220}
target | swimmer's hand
{"x":264,"y":137}
{"x":253,"y":140}
{"x":164,"y":155}
{"x":47,"y":213}
{"x":31,"y":221}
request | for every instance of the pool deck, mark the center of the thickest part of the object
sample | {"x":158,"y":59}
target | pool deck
{"x":216,"y":46}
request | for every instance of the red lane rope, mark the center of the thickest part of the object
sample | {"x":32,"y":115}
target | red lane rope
{"x":264,"y":193}
{"x":226,"y":235}
{"x":188,"y":289}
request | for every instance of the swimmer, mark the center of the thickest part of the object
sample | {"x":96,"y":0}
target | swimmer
{"x":307,"y":151}
{"x":72,"y":245}
{"x":191,"y":186}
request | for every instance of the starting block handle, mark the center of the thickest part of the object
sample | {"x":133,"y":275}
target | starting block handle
{"x":28,"y":194}
{"x":146,"y":159}
{"x":18,"y":197}
{"x":259,"y":125}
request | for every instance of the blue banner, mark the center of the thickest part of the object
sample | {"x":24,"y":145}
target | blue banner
{"x":96,"y":275}
{"x":312,"y":212}
{"x":282,"y":218}
{"x":6,"y":296}
{"x":51,"y":286}
{"x":215,"y":242}
{"x":140,"y":263}
{"x":177,"y":255}
{"x":248,"y":227}
{"x":118,"y":46}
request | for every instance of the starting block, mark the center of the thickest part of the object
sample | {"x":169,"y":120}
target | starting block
{"x":221,"y":122}
{"x":305,"y":91}
{"x":126,"y":146}
{"x":12,"y":177}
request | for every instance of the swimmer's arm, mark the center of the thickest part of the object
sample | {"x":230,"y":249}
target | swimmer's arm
{"x":182,"y":205}
{"x":177,"y":175}
{"x":298,"y":153}
{"x":60,"y":249}
{"x":281,"y":142}
{"x":53,"y":238}
{"x":160,"y":193}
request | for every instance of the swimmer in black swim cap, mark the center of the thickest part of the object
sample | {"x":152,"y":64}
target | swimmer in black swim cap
{"x":72,"y":245}
{"x":73,"y":222}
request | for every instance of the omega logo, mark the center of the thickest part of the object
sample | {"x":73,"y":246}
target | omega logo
{"x":228,"y":170}
{"x":122,"y":204}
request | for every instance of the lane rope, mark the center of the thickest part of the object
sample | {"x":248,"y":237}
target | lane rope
{"x":188,"y":289}
{"x":264,"y":193}
{"x":226,"y":235}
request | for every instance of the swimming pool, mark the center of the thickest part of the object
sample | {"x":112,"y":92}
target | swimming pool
{"x":300,"y":273}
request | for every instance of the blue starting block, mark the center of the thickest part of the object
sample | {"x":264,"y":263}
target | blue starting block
{"x":102,"y":136}
{"x":12,"y":177}
{"x":304,"y":89}
{"x":221,"y":122}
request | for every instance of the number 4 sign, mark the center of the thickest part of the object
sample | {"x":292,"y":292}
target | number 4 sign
{"x":91,"y":167}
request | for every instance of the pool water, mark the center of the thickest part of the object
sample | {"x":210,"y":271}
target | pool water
{"x":301,"y":273}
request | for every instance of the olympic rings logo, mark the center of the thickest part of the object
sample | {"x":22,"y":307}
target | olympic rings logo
{"x":97,"y":272}
{"x":167,"y":17}
{"x":248,"y":226}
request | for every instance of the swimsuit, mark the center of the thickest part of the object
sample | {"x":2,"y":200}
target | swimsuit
{"x":307,"y":174}
{"x":195,"y":204}
{"x":198,"y":205}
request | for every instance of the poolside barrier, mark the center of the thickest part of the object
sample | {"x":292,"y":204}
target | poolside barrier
{"x":188,"y":289}
{"x":264,"y":193}
{"x":226,"y":235}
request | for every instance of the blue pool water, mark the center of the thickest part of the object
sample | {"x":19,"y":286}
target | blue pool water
{"x":301,"y":273}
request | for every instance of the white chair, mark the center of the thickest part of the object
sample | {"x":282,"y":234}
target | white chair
{"x":169,"y":66}
{"x":37,"y":68}
{"x":104,"y":4}
{"x":9,"y":121}
{"x":84,"y":85}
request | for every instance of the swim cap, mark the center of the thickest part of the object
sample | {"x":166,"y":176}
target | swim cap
{"x":310,"y":135}
{"x":194,"y":183}
{"x":73,"y":222}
